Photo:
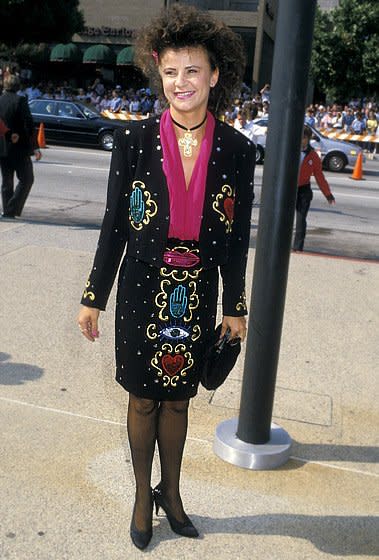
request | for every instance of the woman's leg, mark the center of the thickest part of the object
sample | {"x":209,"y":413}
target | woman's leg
{"x":142,"y":432}
{"x":172,"y":432}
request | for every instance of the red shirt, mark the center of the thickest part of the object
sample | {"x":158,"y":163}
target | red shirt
{"x":311,"y":165}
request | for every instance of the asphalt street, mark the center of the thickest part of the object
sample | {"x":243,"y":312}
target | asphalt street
{"x":70,"y":189}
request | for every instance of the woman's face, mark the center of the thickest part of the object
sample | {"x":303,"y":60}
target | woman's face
{"x":187,"y":78}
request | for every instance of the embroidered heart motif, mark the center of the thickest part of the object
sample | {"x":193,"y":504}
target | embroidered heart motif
{"x":229,"y":208}
{"x":172,"y":364}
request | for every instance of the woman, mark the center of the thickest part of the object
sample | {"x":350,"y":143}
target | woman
{"x":179,"y":196}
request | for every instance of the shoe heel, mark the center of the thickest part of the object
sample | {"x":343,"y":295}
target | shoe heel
{"x":157,"y":507}
{"x":184,"y":528}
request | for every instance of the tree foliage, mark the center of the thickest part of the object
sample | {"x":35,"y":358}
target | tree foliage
{"x":346,"y":49}
{"x":39,"y":21}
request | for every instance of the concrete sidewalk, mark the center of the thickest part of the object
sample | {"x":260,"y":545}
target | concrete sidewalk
{"x":66,"y":481}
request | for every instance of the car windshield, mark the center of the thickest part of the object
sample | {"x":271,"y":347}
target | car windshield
{"x":90,"y":112}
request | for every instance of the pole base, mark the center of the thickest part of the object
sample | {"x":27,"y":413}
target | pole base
{"x":268,"y":456}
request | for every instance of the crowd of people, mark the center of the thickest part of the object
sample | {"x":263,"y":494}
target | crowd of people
{"x":358,"y":116}
{"x":355,"y":117}
{"x":114,"y":98}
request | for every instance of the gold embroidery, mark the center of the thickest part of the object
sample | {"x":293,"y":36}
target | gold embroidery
{"x":147,"y":207}
{"x":161,"y":300}
{"x":155,"y":362}
{"x":241,"y":305}
{"x":193,"y":302}
{"x":180,"y":275}
{"x":226,"y":192}
{"x":190,"y":363}
{"x":150,"y":331}
{"x":88,"y":294}
{"x":196,"y":332}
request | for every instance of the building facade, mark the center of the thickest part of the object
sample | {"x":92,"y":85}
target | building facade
{"x":114,"y":23}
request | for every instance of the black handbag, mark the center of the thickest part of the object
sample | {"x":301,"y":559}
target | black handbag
{"x":219,"y":359}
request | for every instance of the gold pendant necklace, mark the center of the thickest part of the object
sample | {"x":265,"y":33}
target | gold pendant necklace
{"x":187,"y":141}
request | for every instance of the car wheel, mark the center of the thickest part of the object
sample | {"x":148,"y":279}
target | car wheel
{"x":259,"y":154}
{"x":106,"y":141}
{"x":335,"y":162}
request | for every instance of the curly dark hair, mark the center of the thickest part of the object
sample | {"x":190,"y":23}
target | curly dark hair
{"x":185,"y":26}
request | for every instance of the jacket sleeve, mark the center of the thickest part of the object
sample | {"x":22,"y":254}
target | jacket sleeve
{"x":319,"y":175}
{"x":114,"y":229}
{"x":26,"y":126}
{"x":234,"y":270}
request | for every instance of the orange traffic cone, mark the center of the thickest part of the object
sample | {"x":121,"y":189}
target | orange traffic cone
{"x":357,"y":171}
{"x":41,"y":136}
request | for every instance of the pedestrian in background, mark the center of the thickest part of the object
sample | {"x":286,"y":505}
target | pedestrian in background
{"x":180,"y":195}
{"x":372,"y":126}
{"x":21,"y":144}
{"x":310,"y":164}
{"x":266,"y":93}
{"x":348,"y":119}
{"x":115,"y":104}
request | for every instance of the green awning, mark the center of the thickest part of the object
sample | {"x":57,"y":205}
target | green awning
{"x":125,"y":57}
{"x":65,"y":53}
{"x":99,"y":54}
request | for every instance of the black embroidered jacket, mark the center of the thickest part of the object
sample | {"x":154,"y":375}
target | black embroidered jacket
{"x":137,"y":211}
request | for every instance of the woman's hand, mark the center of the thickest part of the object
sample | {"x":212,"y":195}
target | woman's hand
{"x":237,"y":326}
{"x":88,"y":322}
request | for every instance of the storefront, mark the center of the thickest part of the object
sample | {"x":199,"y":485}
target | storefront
{"x":105,"y":46}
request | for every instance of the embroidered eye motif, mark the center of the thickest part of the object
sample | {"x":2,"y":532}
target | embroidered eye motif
{"x":174,"y":333}
{"x":137,"y":205}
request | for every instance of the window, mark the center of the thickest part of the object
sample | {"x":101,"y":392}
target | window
{"x":42,"y":107}
{"x":69,"y":110}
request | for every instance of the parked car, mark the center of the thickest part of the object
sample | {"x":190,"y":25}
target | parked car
{"x":71,"y":122}
{"x":335,"y":154}
{"x":259,"y":133}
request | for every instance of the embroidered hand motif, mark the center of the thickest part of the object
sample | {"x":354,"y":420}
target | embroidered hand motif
{"x":178,"y":302}
{"x":137,"y":205}
{"x":141,"y":206}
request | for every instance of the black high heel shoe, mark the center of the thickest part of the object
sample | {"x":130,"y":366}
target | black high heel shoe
{"x":141,"y":539}
{"x":184,"y":528}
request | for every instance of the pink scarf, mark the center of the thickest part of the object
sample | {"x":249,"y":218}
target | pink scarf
{"x":186,"y":206}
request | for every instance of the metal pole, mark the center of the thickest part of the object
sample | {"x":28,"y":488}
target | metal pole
{"x":245,"y":446}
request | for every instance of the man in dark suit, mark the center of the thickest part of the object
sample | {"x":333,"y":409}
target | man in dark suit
{"x":21,"y":144}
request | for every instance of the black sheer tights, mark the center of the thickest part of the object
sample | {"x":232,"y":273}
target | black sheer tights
{"x":165,"y":421}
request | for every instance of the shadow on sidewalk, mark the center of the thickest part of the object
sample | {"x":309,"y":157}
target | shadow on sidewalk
{"x":330,"y":452}
{"x":331,"y":534}
{"x":15,"y":373}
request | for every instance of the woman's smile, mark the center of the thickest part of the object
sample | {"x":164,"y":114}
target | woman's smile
{"x":184,"y":94}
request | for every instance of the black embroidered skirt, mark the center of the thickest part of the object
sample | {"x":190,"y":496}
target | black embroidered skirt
{"x":164,"y":320}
